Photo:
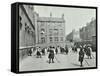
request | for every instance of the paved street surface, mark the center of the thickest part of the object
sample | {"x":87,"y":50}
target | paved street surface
{"x":62,"y":61}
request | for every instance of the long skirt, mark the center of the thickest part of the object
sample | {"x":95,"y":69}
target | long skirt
{"x":81,"y":59}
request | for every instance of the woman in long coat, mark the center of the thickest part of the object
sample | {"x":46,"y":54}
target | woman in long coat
{"x":30,"y":52}
{"x":38,"y":53}
{"x":81,"y":56}
{"x":51,"y":55}
{"x":89,"y":50}
{"x":66,"y":50}
{"x":56,"y":50}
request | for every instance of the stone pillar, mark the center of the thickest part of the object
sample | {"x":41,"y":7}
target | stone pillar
{"x":63,"y":24}
{"x":36,"y":26}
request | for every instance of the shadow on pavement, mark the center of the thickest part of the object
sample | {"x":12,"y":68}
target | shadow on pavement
{"x":75,"y":64}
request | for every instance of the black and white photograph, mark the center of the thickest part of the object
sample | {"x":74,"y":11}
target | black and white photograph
{"x":57,"y":37}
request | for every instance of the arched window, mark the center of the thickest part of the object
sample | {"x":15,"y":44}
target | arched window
{"x":56,"y":39}
{"x":42,"y":39}
{"x":20,"y":24}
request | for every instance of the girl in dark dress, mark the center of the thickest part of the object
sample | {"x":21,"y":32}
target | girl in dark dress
{"x":51,"y":56}
{"x":38,"y":53}
{"x":81,"y":56}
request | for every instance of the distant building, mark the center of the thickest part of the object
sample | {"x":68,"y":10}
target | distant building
{"x":50,"y":31}
{"x":70,"y":37}
{"x":76,"y":36}
{"x":73,"y":36}
{"x":88,"y":33}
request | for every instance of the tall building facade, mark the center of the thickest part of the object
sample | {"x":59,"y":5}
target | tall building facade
{"x":26,"y":26}
{"x":88,"y":33}
{"x":50,"y":31}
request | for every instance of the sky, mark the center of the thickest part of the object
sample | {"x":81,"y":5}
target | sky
{"x":75,"y":18}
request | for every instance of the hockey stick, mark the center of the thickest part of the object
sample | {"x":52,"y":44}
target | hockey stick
{"x":92,"y":55}
{"x":57,"y":60}
{"x":87,"y":63}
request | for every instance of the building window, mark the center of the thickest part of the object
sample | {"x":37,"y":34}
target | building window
{"x":42,"y":31}
{"x":56,"y":39}
{"x":27,"y":28}
{"x":50,"y":32}
{"x":31,"y":7}
{"x":61,"y":39}
{"x":55,"y":31}
{"x":61,"y":31}
{"x":43,"y":40}
{"x":59,"y":25}
{"x":51,"y":39}
{"x":42,"y":24}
